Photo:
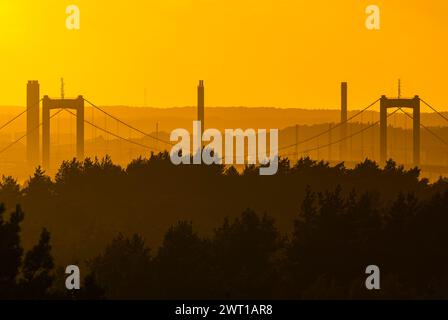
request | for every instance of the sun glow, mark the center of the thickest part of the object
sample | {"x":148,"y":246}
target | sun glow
{"x":241,"y":49}
{"x":13,"y":24}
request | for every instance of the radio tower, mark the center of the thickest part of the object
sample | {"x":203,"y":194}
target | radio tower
{"x":399,"y":88}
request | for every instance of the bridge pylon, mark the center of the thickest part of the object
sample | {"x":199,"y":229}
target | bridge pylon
{"x":76,"y":104}
{"x":414,"y":104}
{"x":33,"y":124}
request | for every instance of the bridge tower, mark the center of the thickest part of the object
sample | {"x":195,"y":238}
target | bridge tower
{"x":32,"y":123}
{"x":386,"y":103}
{"x":76,"y":104}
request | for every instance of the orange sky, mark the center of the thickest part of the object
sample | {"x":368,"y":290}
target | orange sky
{"x":284,"y":53}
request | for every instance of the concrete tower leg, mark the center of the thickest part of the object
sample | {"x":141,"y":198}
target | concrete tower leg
{"x":383,"y":130}
{"x":80,"y":129}
{"x":46,"y":133}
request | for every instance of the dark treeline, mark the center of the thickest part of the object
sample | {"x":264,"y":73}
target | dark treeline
{"x":32,"y":275}
{"x":310,"y":232}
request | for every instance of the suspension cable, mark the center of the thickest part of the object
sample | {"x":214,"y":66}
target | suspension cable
{"x":347,"y":137}
{"x":25,"y":135}
{"x":328,"y":130}
{"x":128,"y":125}
{"x":426,"y":128}
{"x":113,"y":134}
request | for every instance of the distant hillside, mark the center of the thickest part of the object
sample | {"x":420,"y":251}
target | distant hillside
{"x":168,"y":119}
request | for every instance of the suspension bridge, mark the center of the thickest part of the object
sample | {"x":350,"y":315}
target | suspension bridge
{"x":38,"y":146}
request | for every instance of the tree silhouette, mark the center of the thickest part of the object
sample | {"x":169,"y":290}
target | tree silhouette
{"x":123,"y":268}
{"x":28,"y":277}
{"x":323,"y":225}
{"x":182,"y":265}
{"x":10,"y":252}
{"x":245,"y":253}
{"x":37,"y":269}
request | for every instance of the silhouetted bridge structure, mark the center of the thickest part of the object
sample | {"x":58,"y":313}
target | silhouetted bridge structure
{"x":76,"y":106}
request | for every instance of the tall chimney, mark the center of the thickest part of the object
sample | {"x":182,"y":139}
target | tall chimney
{"x":201,"y":105}
{"x":343,"y":131}
{"x":32,"y":123}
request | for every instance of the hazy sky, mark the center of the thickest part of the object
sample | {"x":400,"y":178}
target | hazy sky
{"x":285,"y":53}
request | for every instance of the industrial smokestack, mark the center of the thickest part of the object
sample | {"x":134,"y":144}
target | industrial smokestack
{"x":344,"y":117}
{"x":201,"y":105}
{"x":32,"y":123}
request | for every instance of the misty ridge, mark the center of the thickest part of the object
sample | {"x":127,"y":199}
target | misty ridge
{"x":153,"y":230}
{"x":225,"y":117}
